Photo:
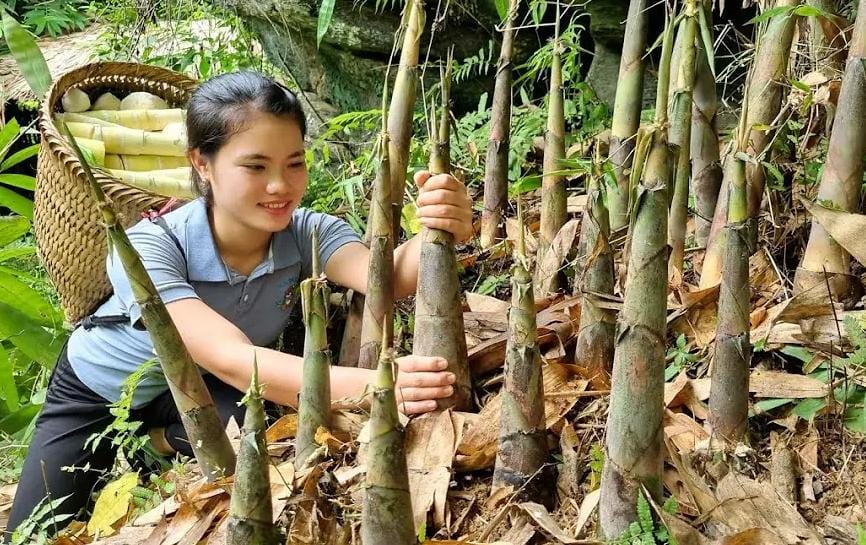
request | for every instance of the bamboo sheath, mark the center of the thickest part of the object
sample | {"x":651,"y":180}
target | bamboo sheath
{"x":842,"y":179}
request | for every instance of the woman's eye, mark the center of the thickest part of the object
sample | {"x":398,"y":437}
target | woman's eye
{"x":255,"y":168}
{"x":299,"y":164}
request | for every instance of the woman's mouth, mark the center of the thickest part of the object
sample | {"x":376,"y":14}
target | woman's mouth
{"x":276,"y":208}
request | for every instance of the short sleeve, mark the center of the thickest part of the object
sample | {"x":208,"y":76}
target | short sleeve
{"x":164,"y":263}
{"x":334,"y":233}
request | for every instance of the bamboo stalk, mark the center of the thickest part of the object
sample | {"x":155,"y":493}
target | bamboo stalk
{"x":496,"y":167}
{"x":401,"y":112}
{"x":626,"y":110}
{"x":825,"y":53}
{"x":843,"y":174}
{"x":706,"y":167}
{"x":438,"y":311}
{"x":143,"y":162}
{"x":764,"y":100}
{"x":314,"y":405}
{"x":148,"y":120}
{"x":199,"y":416}
{"x":729,"y":389}
{"x":595,"y":338}
{"x":386,"y":515}
{"x":169,"y":183}
{"x":251,"y":514}
{"x":522,"y":453}
{"x":634,"y":424}
{"x":379,"y":301}
{"x":553,"y":193}
{"x":680,"y":136}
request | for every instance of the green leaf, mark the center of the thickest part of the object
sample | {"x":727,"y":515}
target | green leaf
{"x":20,"y":419}
{"x":502,"y":9}
{"x":707,"y":39}
{"x":8,"y":134}
{"x":16,"y":203}
{"x":809,"y":408}
{"x":12,"y":228}
{"x":8,"y":390}
{"x":7,"y":254}
{"x":855,"y":419}
{"x":770,"y":13}
{"x":19,"y":180}
{"x":810,"y":11}
{"x":767,"y":405}
{"x":28,"y":301}
{"x":326,"y":11}
{"x":29,"y":336}
{"x":27,"y":54}
{"x":18,"y":156}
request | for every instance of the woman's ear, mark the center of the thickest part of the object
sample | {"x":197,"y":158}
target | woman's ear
{"x":200,"y":164}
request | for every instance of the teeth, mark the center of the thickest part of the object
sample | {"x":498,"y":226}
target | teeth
{"x":275,"y":205}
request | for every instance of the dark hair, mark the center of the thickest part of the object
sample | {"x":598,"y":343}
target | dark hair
{"x":220,"y":107}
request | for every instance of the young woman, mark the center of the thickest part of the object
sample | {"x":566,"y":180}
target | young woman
{"x":226,"y":265}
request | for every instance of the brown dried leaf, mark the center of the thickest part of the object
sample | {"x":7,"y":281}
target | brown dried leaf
{"x":549,"y":264}
{"x":683,"y":431}
{"x":430,"y":447}
{"x":545,"y":523}
{"x":779,"y":384}
{"x":485,"y":303}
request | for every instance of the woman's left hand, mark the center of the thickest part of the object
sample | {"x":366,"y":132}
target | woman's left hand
{"x":443,"y":203}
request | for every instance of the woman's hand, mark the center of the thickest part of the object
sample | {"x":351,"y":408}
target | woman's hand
{"x":443,"y":203}
{"x":420,"y":382}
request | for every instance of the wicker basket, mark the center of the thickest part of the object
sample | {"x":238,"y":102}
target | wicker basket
{"x":69,"y":235}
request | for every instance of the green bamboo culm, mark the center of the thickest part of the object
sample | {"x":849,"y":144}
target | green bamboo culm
{"x":634,"y":452}
{"x":386,"y":515}
{"x":680,"y":136}
{"x":824,"y":261}
{"x":729,"y":388}
{"x":314,"y":405}
{"x":594,"y":276}
{"x":706,"y":167}
{"x":402,"y":110}
{"x":438,"y":310}
{"x":379,"y":301}
{"x":764,"y":93}
{"x":199,"y":416}
{"x":626,"y":110}
{"x":553,"y":192}
{"x":496,"y":166}
{"x":522,"y":453}
{"x":251,"y":513}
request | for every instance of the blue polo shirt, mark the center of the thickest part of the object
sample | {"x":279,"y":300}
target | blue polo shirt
{"x":258,"y":304}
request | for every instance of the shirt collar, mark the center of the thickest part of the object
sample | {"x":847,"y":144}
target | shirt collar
{"x":203,"y":261}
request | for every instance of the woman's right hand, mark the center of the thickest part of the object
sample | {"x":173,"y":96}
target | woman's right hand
{"x":421,"y":380}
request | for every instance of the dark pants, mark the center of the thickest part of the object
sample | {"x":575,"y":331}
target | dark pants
{"x":71,"y":414}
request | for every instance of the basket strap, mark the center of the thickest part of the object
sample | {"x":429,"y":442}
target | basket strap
{"x":91,"y":320}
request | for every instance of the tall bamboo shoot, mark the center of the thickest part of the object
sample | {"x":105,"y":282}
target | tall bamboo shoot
{"x":626,"y":109}
{"x":522,"y":452}
{"x":130,"y":141}
{"x":251,"y":515}
{"x":386,"y":515}
{"x":496,"y":167}
{"x":438,"y":311}
{"x":199,"y":416}
{"x":553,"y":193}
{"x":314,"y":405}
{"x":843,"y":173}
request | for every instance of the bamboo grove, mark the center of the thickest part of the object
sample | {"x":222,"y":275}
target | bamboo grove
{"x":653,"y":194}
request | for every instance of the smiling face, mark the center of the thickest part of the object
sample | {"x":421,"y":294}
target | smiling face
{"x":257,"y":178}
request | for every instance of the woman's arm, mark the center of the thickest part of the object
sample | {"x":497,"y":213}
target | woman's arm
{"x":220,"y":347}
{"x":442,"y":204}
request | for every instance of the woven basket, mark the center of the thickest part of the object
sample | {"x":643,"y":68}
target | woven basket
{"x":69,"y":235}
